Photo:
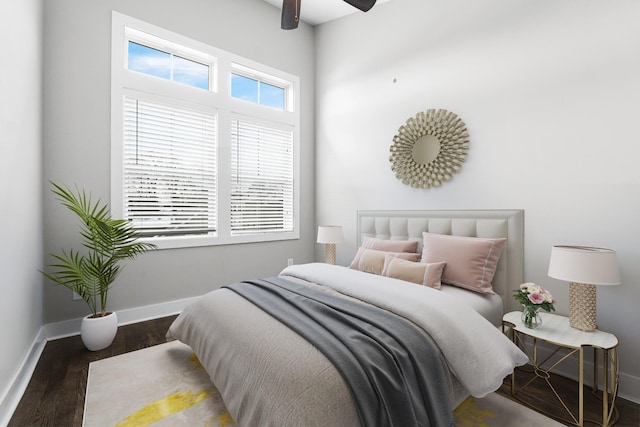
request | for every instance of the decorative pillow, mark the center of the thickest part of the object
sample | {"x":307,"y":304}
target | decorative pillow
{"x":471,"y":261}
{"x":415,"y":272}
{"x":372,"y":260}
{"x":390,"y":245}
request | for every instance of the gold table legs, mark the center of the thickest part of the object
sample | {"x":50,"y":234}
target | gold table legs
{"x":542,"y":370}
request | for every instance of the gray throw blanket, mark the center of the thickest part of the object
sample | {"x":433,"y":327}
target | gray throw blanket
{"x":395,"y":374}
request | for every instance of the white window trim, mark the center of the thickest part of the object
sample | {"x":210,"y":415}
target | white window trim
{"x":224,"y":64}
{"x":265,"y":78}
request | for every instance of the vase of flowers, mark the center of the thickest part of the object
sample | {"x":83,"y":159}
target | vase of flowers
{"x":533,"y":299}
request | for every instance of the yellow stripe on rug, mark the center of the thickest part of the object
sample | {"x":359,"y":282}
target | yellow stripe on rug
{"x":469,"y":414}
{"x":172,"y":404}
{"x":166,"y":385}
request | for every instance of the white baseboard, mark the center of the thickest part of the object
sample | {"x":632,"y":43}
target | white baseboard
{"x":9,"y":402}
{"x":66,"y":328}
{"x":628,"y":388}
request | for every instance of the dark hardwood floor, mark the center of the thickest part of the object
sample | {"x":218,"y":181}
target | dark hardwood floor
{"x":55,"y":394}
{"x":540,"y":397}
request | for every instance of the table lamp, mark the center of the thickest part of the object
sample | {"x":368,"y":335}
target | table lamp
{"x":330,"y":235}
{"x":583,"y":267}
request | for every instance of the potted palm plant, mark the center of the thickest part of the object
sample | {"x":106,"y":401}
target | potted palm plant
{"x":91,"y":274}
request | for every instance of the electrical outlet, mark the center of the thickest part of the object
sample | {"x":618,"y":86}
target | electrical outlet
{"x":289,"y":262}
{"x":76,"y":297}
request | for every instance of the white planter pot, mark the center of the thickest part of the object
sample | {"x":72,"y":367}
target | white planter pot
{"x":98,"y":333}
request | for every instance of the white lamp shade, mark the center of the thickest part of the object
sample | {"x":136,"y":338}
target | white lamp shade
{"x":583,"y":264}
{"x":330,"y":234}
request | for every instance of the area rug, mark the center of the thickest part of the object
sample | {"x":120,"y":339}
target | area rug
{"x":166,"y":385}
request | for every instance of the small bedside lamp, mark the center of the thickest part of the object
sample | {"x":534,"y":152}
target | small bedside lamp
{"x":583,"y":267}
{"x":330,"y":235}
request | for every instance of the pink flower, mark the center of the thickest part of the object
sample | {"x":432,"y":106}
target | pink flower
{"x":536,"y":298}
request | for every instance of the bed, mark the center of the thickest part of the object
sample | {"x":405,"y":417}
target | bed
{"x":426,"y":347}
{"x":503,"y":223}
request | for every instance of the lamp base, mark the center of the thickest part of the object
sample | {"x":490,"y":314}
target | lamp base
{"x":582,"y":306}
{"x":330,"y":253}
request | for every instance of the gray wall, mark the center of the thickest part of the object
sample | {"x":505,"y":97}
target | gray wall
{"x":77,"y":142}
{"x":550,"y":93}
{"x":21,"y":183}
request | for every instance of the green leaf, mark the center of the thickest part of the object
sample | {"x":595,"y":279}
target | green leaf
{"x":107,"y":242}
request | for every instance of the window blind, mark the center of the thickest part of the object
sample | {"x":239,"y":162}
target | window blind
{"x":169,"y":169}
{"x":262,"y":172}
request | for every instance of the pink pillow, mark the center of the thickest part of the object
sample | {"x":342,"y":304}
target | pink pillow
{"x":471,"y":261}
{"x":415,"y":272}
{"x":372,"y":260}
{"x":390,"y":245}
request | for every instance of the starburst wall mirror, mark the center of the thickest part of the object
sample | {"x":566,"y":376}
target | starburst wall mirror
{"x":429,"y":148}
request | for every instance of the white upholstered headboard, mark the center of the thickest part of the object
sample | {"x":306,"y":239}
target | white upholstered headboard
{"x":409,"y":225}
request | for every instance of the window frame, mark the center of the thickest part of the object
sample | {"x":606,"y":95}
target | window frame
{"x":261,"y":77}
{"x":126,"y":82}
{"x":249,"y":123}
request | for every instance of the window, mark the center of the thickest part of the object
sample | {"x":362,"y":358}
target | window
{"x":204,"y":143}
{"x":170,"y":169}
{"x":169,"y":66}
{"x":149,"y":61}
{"x":261,"y":178}
{"x":257,"y":91}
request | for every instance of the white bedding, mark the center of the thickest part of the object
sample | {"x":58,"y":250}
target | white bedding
{"x":270,"y":376}
{"x":488,"y":306}
{"x":479,"y":355}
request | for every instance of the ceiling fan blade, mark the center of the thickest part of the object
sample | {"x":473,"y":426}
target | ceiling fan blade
{"x":363,"y":5}
{"x":290,"y":14}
